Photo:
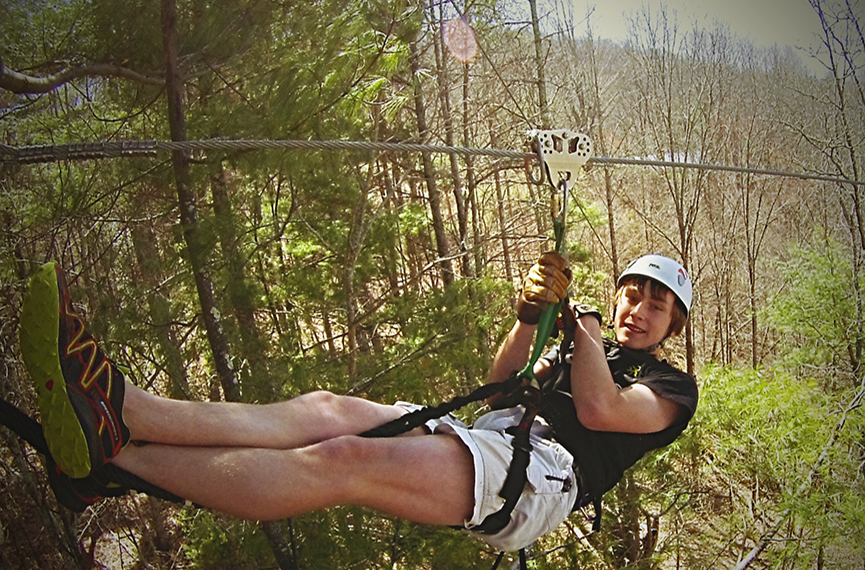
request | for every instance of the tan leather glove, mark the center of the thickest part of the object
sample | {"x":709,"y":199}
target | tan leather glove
{"x":547,"y":282}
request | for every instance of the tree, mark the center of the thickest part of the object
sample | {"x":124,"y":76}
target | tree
{"x":836,"y":139}
{"x":326,"y":268}
{"x":679,"y":88}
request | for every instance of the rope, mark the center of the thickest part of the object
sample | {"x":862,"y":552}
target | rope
{"x":104,"y":150}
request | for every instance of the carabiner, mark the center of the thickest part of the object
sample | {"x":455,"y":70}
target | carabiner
{"x":535,"y":147}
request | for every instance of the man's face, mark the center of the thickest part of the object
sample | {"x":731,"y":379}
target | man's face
{"x":642,"y":320}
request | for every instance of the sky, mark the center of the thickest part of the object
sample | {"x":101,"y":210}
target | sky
{"x":764,"y":22}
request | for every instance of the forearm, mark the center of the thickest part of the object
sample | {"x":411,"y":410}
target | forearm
{"x":592,"y":385}
{"x":513,"y":353}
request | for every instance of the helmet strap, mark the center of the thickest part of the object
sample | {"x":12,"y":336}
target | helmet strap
{"x":654,"y":347}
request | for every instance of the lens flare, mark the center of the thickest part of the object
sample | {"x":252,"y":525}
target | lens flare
{"x":460,"y":39}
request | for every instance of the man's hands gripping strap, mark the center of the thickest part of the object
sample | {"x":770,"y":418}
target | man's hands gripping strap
{"x":546,"y":283}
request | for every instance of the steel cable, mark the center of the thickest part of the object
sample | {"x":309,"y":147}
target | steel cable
{"x":106,"y":150}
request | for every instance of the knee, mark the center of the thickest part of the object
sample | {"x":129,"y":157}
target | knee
{"x":321,"y":399}
{"x":326,"y":405}
{"x":348,"y":462}
{"x":333,"y":415}
{"x":346,"y":451}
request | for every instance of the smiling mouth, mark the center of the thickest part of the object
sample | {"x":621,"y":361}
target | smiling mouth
{"x":633,"y":328}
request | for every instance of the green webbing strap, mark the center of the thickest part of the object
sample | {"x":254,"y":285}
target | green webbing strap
{"x":530,"y":395}
{"x":551,"y":313}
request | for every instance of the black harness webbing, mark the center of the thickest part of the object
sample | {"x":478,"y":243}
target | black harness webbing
{"x":515,"y":481}
{"x":30,"y":431}
{"x":419,"y":417}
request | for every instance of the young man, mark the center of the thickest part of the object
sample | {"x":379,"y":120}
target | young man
{"x":285,"y":459}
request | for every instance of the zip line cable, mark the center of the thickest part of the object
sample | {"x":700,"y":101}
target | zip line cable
{"x":105,"y":150}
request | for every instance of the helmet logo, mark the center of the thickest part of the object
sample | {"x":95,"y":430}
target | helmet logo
{"x":682,"y":277}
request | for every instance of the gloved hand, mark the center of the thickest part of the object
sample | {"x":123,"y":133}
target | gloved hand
{"x":547,"y":282}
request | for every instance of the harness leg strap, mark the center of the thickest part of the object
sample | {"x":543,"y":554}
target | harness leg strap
{"x":515,"y":481}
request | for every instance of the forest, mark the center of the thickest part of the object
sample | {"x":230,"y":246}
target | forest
{"x":258,"y":273}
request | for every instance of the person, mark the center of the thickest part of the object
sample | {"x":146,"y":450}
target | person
{"x":279,"y":460}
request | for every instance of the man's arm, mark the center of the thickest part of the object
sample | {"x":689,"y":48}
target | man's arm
{"x":514,"y":352}
{"x":600,"y":405}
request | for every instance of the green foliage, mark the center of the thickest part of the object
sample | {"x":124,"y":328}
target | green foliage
{"x":587,"y":284}
{"x":761,"y":433}
{"x":34,"y":28}
{"x":351,"y":537}
{"x":742,"y":463}
{"x":820,"y":307}
{"x":337,"y":69}
{"x":445,"y":340}
{"x":219,"y":542}
{"x":743,"y":411}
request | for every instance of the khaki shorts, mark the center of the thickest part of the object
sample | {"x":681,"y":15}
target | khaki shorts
{"x":551,"y":489}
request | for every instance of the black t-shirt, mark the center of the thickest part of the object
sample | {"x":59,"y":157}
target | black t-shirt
{"x":602,"y":456}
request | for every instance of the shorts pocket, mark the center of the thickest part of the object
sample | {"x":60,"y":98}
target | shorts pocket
{"x":550,"y":469}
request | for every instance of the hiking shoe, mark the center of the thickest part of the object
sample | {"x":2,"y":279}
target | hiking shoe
{"x":80,"y":390}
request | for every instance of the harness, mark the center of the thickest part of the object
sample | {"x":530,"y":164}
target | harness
{"x":516,"y":390}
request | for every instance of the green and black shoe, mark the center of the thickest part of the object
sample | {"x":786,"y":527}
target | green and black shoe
{"x":80,"y":389}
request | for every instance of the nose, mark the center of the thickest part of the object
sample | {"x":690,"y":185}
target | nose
{"x":639,"y":310}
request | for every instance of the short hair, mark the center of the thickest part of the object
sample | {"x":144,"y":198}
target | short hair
{"x":657,"y":290}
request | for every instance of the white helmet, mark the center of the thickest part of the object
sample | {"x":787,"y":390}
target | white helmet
{"x":666,"y":271}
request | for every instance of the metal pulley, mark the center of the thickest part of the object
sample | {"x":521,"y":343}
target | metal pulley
{"x":562,"y":152}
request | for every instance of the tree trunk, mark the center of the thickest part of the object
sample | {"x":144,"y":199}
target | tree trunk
{"x":600,"y":146}
{"x":189,"y":218}
{"x":275,"y":533}
{"x":356,"y":235}
{"x":240,"y":295}
{"x":189,"y":209}
{"x":471,"y":181}
{"x":503,"y":223}
{"x":67,"y":546}
{"x":443,"y":82}
{"x":442,"y":249}
{"x":539,"y":63}
{"x":159,"y":307}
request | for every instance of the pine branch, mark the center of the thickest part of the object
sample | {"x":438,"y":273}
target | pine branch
{"x":854,"y":404}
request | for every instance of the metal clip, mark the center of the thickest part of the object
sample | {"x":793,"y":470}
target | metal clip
{"x":566,"y":482}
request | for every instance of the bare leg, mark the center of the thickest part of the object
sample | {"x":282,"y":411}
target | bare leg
{"x":426,"y":479}
{"x":304,"y":420}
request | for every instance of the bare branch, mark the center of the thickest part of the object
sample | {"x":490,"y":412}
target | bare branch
{"x":21,"y":84}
